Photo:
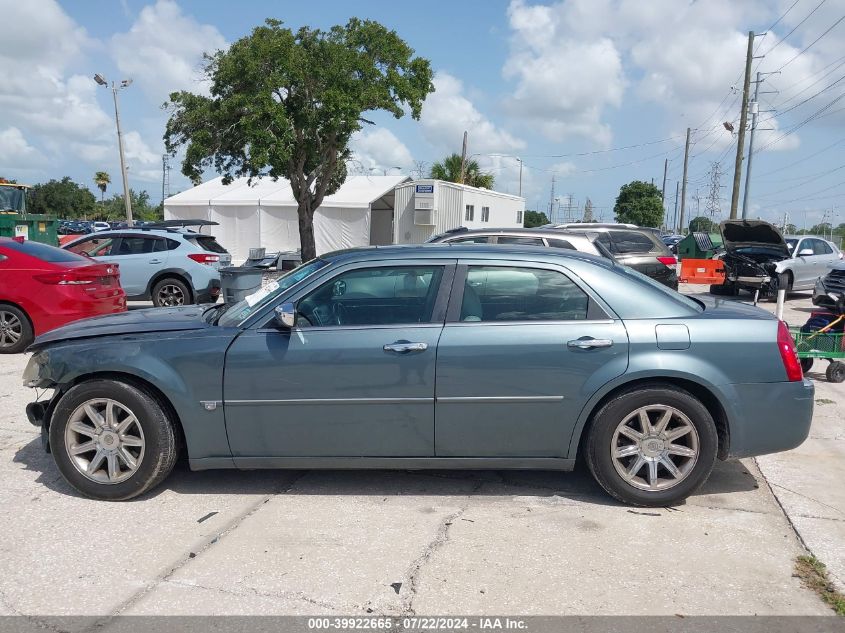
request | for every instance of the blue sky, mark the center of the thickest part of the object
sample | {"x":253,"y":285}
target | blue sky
{"x":562,"y":85}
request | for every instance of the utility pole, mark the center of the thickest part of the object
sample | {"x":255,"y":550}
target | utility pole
{"x":743,"y":121}
{"x":552,"y":202}
{"x":665,"y":169}
{"x":675,"y":217}
{"x":684,"y":187}
{"x":755,"y":109}
{"x":520,"y":176}
{"x":464,"y":158}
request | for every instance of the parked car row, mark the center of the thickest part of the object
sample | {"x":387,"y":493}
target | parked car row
{"x":83,"y":227}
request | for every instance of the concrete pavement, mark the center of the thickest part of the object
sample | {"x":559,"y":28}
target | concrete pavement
{"x":395,"y":542}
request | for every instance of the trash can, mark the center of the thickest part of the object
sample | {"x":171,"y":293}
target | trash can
{"x":236,"y":282}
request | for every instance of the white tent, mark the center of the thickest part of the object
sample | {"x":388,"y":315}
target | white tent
{"x":264,"y":213}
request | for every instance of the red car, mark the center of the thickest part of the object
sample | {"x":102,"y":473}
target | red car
{"x":43,"y":287}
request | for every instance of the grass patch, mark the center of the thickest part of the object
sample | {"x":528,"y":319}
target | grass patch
{"x":824,"y":401}
{"x":813,"y":574}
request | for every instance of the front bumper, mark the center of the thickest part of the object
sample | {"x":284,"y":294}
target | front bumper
{"x":770,"y":417}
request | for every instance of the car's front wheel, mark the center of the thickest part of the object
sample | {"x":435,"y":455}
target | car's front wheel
{"x":112,"y":440}
{"x":652,"y":445}
{"x":15,"y":330}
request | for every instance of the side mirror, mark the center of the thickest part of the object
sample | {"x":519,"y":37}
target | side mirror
{"x":285,"y":315}
{"x":806,"y":252}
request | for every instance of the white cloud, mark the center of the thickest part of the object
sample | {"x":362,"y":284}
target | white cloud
{"x":447,"y":113}
{"x":376,"y":150}
{"x":566,"y":74}
{"x":163,"y":50}
{"x":17,"y":153}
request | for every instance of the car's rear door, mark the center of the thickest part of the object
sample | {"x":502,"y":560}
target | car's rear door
{"x":354,"y":378}
{"x":140,"y":257}
{"x":524,"y":347}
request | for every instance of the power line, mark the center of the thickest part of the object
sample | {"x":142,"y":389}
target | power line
{"x":839,"y":63}
{"x":795,"y":28}
{"x":798,"y":126}
{"x":806,"y":158}
{"x":810,"y":98}
{"x":813,"y":43}
{"x":599,"y":151}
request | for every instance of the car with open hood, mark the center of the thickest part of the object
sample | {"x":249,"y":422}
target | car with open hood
{"x":435,"y":356}
{"x":756,"y":255}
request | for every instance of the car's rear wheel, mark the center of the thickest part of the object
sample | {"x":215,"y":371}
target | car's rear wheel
{"x":15,"y":330}
{"x":652,"y":445}
{"x":171,"y":293}
{"x":112,"y":440}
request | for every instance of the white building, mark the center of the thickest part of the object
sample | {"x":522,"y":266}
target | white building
{"x":264,"y":213}
{"x":366,"y":210}
{"x":428,"y":207}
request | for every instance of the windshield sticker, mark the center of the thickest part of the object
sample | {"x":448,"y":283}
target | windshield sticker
{"x":260,"y":295}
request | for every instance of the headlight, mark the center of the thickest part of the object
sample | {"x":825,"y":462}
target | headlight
{"x":36,"y":373}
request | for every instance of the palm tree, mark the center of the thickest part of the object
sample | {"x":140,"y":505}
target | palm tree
{"x":449,"y":169}
{"x":102,"y":180}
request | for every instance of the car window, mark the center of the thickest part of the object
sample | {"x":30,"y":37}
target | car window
{"x":93,"y":247}
{"x":630,"y":242}
{"x":504,"y":293}
{"x":44,"y":252}
{"x":561,"y":244}
{"x":136,"y":245}
{"x":478,"y":239}
{"x":206,"y":243}
{"x":791,"y":243}
{"x":390,"y":295}
{"x":820,"y":247}
{"x":525,"y":241}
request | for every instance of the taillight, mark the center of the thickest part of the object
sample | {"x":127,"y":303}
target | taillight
{"x":668,"y":261}
{"x":204,"y":258}
{"x":63,"y":279}
{"x":788,"y":354}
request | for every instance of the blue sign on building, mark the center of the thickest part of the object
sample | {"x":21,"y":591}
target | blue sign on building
{"x":425,"y":188}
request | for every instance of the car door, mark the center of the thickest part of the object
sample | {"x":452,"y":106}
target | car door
{"x":524,"y":347}
{"x":353,"y":378}
{"x":825,"y":255}
{"x":805,"y":266}
{"x":139,"y":257}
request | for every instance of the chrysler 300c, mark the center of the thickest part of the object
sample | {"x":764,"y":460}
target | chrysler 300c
{"x":436,"y":356}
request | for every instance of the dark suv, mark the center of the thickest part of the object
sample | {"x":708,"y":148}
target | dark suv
{"x":639,"y":248}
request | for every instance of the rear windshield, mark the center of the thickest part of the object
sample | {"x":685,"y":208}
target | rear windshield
{"x":206,"y":243}
{"x":631,"y":242}
{"x":43,"y":252}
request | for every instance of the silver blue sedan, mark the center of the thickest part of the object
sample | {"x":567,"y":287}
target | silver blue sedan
{"x":436,"y":356}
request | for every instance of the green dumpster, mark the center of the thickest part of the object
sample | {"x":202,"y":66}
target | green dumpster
{"x":699,"y":245}
{"x":30,"y":226}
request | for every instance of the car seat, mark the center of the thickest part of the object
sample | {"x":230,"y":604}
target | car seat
{"x":471,"y":308}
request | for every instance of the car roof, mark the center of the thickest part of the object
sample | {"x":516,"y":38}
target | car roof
{"x":441,"y":250}
{"x":534,"y":232}
{"x":117,"y":232}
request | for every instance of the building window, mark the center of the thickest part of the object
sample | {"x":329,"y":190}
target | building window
{"x":485,"y":214}
{"x":519,"y":217}
{"x":470,"y":214}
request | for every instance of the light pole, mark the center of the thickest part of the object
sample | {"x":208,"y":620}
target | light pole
{"x":125,"y":83}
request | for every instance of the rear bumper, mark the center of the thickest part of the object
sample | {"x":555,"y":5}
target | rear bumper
{"x":75,"y":309}
{"x":770,"y":417}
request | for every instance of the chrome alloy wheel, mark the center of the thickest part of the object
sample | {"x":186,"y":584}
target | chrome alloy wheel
{"x":104,"y":441}
{"x":655,"y":447}
{"x":11,"y":329}
{"x":170,"y":295}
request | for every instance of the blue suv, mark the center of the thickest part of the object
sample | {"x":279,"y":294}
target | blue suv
{"x":170,"y":265}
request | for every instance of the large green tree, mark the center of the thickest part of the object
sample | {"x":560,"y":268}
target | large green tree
{"x":449,"y":169}
{"x":639,"y":203}
{"x":114,"y":208}
{"x":61,"y":198}
{"x":703,"y":224}
{"x":286,"y":103}
{"x":534,"y":219}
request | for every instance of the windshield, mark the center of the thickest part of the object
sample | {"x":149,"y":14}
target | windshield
{"x":12,"y":198}
{"x":790,"y":244}
{"x":239,"y":311}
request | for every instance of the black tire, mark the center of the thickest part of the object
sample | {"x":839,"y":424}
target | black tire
{"x":160,"y":440}
{"x":171,"y":287}
{"x":835,"y":372}
{"x":14,"y":322}
{"x":806,"y":364}
{"x":599,"y":441}
{"x":724,"y":290}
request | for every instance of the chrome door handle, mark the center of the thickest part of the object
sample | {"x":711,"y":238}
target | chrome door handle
{"x":589,"y":343}
{"x":404,"y":347}
{"x":155,"y":261}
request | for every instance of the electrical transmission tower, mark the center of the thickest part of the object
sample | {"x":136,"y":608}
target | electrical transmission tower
{"x":713,"y":206}
{"x":165,"y":177}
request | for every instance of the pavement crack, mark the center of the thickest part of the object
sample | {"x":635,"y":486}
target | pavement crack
{"x":441,"y":537}
{"x":188,"y":557}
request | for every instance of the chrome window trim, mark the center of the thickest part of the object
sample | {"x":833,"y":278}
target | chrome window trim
{"x":341,"y":401}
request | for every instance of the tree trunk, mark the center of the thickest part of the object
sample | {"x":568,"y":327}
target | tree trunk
{"x":306,"y":230}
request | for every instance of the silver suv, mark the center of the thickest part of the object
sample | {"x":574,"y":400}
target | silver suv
{"x":166,"y":263}
{"x":525,"y":237}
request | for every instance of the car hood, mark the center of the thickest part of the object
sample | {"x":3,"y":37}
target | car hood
{"x":747,"y":233}
{"x":131,"y":322}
